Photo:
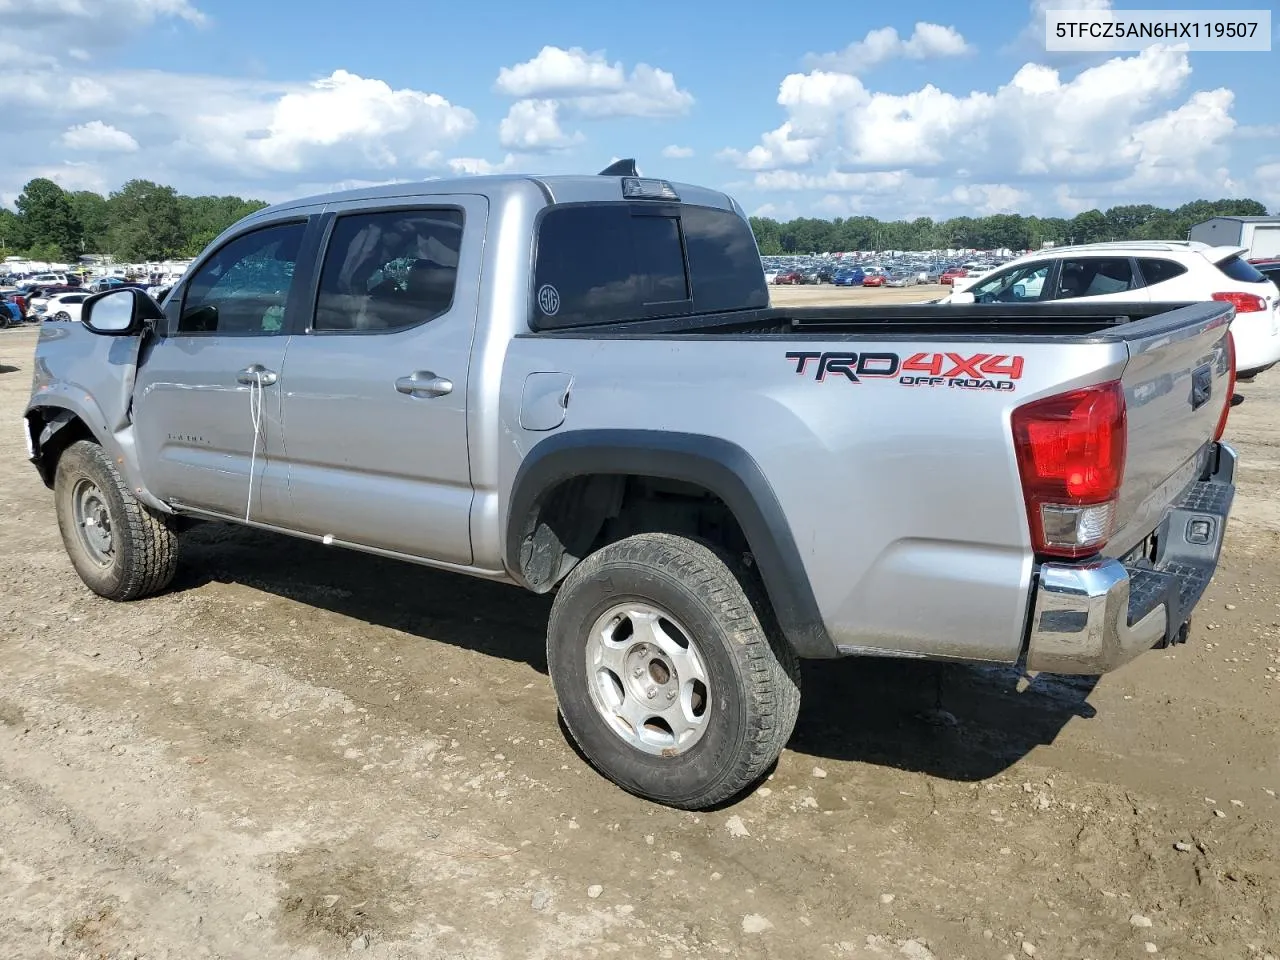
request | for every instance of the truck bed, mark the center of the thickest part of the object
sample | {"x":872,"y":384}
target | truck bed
{"x":1093,"y":322}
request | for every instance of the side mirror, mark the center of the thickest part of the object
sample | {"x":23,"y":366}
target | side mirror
{"x":963,"y":296}
{"x":119,"y":313}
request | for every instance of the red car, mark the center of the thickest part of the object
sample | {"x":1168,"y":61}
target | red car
{"x":873,"y":280}
{"x":952,"y":275}
{"x":1269,"y":267}
{"x":794,"y":276}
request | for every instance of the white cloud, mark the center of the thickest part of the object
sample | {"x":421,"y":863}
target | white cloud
{"x":557,"y":72}
{"x":99,"y":136}
{"x":533,"y":126}
{"x":674,"y":152}
{"x":340,"y":116}
{"x":1266,"y":185}
{"x":1109,"y":124}
{"x":1032,"y":37}
{"x":48,"y":24}
{"x":587,"y":86}
{"x":475,"y":166}
{"x":985,"y":199}
{"x":224,"y":134}
{"x":777,"y":211}
{"x":929,"y":41}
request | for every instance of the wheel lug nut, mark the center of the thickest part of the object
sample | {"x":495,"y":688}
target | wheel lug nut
{"x":671,"y":694}
{"x":651,"y":693}
{"x":642,"y":650}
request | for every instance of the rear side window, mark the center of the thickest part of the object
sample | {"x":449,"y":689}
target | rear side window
{"x":389,"y":271}
{"x":1241,"y":270}
{"x":1158,"y":271}
{"x":612,"y":262}
{"x":724,"y":262}
{"x":1094,"y":277}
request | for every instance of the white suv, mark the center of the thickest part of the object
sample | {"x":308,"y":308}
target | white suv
{"x":1145,"y":271}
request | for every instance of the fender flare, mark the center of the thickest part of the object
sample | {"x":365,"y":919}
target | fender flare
{"x":43,"y":429}
{"x":719,"y":466}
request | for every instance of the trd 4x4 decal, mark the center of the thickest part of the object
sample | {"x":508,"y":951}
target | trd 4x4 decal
{"x":982,"y":371}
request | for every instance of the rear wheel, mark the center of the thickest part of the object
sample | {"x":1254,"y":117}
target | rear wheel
{"x":121,"y":549}
{"x":62,"y":315}
{"x":669,"y":674}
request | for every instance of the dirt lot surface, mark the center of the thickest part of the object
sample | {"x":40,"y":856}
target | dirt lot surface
{"x":826,"y":295}
{"x":302,"y":753}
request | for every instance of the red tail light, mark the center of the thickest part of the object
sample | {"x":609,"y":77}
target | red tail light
{"x":1231,"y":387}
{"x":1071,"y":451}
{"x":1243,"y":302}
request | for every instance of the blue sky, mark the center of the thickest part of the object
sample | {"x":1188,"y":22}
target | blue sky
{"x":904,"y":110}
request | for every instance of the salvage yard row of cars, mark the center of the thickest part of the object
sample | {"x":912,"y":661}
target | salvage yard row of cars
{"x":58,"y":296}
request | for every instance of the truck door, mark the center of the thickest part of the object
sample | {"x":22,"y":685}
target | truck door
{"x":374,"y":389}
{"x":207,"y":402}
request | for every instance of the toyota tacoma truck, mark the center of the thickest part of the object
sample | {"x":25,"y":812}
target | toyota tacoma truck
{"x":577,"y":384}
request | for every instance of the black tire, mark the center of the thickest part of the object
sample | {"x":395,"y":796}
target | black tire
{"x":142,"y":555}
{"x":753,"y":673}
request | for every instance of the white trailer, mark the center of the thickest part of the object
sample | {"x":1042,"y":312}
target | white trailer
{"x":1261,"y":235}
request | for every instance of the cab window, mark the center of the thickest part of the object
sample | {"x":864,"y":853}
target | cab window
{"x":242,"y":289}
{"x":389,"y":271}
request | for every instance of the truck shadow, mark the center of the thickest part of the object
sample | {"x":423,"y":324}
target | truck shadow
{"x":953,"y":721}
{"x":490,"y":618}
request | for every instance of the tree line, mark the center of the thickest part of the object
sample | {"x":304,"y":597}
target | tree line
{"x":146,"y":221}
{"x":1129,"y":222}
{"x":142,"y":221}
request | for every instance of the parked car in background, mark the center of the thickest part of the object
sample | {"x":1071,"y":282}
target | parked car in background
{"x":951,"y":275}
{"x":849,"y":277}
{"x":1269,"y":268}
{"x":64,"y":306}
{"x":20,"y":301}
{"x":873,"y":280}
{"x":901,"y":280}
{"x":11,"y":314}
{"x":1170,"y":271}
{"x":791,"y":277}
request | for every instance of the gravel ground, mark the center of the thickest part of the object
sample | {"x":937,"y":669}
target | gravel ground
{"x":298,"y":752}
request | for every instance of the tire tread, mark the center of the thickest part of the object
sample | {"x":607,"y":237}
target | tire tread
{"x":148,"y":546}
{"x":770,"y":668}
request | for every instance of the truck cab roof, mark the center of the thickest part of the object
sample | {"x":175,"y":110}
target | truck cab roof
{"x":568,"y":188}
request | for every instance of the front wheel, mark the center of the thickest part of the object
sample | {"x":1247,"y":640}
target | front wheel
{"x":669,"y":673}
{"x":62,"y":315}
{"x":121,"y":549}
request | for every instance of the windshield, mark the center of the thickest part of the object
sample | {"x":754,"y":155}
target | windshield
{"x":1013,"y":286}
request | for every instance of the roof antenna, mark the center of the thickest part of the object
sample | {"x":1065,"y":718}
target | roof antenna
{"x":620,"y":168}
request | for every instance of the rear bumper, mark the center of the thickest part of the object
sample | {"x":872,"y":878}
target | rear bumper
{"x":1092,"y":617}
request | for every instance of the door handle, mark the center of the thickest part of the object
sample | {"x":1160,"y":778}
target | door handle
{"x":256,"y":373}
{"x":424,"y":384}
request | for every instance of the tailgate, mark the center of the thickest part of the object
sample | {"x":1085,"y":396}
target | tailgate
{"x":1175,"y":385}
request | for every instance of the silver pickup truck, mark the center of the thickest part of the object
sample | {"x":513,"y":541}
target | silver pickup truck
{"x":577,"y":384}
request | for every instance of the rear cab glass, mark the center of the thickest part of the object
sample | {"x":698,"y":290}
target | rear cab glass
{"x":618,"y":261}
{"x":1241,"y":271}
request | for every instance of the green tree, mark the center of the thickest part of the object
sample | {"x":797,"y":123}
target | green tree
{"x":92,"y":211}
{"x":203,"y":218}
{"x":46,"y":217}
{"x":10,"y":231}
{"x":146,"y":222}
